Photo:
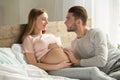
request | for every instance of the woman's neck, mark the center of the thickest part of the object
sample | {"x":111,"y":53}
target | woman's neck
{"x":37,"y":32}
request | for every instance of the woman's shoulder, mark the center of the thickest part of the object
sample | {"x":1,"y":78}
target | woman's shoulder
{"x":29,"y":37}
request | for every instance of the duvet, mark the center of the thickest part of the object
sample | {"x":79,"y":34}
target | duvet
{"x":13,"y":66}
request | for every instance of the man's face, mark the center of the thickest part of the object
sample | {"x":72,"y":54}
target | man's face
{"x":70,"y":23}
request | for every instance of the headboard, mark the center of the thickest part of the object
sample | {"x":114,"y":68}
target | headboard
{"x":12,"y":34}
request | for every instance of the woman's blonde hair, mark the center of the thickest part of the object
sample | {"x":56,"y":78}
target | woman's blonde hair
{"x":34,"y":13}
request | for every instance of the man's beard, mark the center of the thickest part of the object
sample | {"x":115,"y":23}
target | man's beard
{"x":72,"y":28}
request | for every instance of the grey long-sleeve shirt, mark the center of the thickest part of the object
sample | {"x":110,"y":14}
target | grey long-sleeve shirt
{"x":94,"y":49}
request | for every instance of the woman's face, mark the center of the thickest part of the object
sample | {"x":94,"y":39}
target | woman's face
{"x":41,"y":22}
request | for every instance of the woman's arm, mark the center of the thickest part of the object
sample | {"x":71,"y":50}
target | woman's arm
{"x":32,"y":60}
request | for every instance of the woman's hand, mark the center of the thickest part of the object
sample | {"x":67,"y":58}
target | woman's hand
{"x":72,"y":57}
{"x":64,"y":64}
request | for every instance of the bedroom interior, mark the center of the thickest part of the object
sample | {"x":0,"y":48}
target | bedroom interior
{"x":13,"y":19}
{"x":12,"y":60}
{"x":104,"y":14}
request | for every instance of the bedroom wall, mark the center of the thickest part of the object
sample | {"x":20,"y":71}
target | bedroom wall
{"x":26,"y":5}
{"x":9,"y":12}
{"x":16,"y":11}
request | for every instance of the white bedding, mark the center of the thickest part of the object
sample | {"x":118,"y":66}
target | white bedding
{"x":14,"y":67}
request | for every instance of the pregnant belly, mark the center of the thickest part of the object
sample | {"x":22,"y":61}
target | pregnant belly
{"x":54,"y":56}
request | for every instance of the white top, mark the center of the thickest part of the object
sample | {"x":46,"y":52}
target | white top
{"x":94,"y":49}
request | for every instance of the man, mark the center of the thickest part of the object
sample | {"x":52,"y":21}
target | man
{"x":90,"y":49}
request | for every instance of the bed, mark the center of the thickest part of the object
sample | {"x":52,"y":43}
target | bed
{"x":13,"y":65}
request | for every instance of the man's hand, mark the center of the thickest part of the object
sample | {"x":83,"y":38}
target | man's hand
{"x":72,"y":57}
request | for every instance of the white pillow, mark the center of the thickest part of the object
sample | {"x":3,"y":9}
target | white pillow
{"x":7,"y":56}
{"x":17,"y":50}
{"x":7,"y":51}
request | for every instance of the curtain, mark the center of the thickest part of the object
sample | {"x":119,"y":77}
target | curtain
{"x":106,"y":16}
{"x":115,"y":21}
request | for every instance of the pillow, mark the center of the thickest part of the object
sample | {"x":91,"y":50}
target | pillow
{"x":7,"y":56}
{"x":7,"y":52}
{"x":16,"y":49}
{"x":55,"y":55}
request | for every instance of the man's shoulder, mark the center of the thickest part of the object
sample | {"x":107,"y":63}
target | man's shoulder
{"x":96,"y":30}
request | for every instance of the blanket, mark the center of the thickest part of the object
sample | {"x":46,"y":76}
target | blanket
{"x":13,"y":66}
{"x":25,"y":72}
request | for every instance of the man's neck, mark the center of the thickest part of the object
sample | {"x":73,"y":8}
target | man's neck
{"x":80,"y":33}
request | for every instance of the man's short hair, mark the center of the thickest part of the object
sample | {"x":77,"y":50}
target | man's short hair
{"x":79,"y":12}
